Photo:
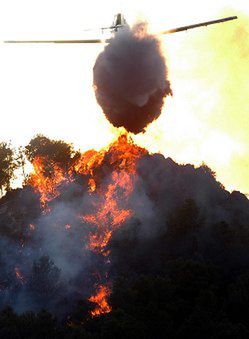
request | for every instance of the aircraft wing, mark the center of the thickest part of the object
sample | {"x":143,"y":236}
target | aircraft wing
{"x":206,"y":23}
{"x":91,"y":41}
{"x":112,"y":27}
{"x":98,"y":41}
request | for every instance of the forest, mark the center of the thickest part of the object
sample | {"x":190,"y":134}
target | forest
{"x":178,"y":267}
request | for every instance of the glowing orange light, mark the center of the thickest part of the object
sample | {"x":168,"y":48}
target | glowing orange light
{"x":101,"y":299}
{"x":19,"y":275}
{"x":111,"y":209}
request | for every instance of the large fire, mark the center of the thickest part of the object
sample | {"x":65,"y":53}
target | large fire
{"x":109,"y":196}
{"x":101,"y":301}
{"x":46,"y":181}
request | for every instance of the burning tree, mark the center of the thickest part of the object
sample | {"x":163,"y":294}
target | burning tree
{"x":55,"y":151}
{"x":122,"y":243}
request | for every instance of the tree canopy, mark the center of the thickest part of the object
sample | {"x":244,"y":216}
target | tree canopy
{"x":8,"y":165}
{"x":56,"y":151}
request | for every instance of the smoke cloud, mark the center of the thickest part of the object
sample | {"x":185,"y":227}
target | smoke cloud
{"x":130,"y":79}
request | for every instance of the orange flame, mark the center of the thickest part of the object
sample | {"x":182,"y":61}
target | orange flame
{"x":101,"y":299}
{"x":31,"y":227}
{"x":109,"y":216}
{"x":92,"y":185}
{"x":46,"y":184}
{"x":89,"y":160}
{"x":111,"y":206}
{"x":19,"y":275}
{"x":124,"y":153}
{"x":122,"y":156}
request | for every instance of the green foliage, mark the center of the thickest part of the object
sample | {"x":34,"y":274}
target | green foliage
{"x":185,"y":220}
{"x":237,"y":304}
{"x":56,"y":151}
{"x":204,"y":167}
{"x":178,"y":276}
{"x":9,"y":324}
{"x":44,"y":281}
{"x":41,"y":325}
{"x":8,"y":165}
{"x":22,"y":162}
{"x":163,"y":303}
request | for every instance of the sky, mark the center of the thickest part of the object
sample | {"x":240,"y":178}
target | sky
{"x":48,"y":88}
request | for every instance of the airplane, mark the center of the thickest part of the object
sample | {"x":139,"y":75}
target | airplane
{"x":119,"y":23}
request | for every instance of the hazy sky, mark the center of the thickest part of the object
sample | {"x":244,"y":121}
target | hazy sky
{"x":48,"y":88}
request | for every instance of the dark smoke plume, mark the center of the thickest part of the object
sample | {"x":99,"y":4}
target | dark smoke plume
{"x":130,"y":79}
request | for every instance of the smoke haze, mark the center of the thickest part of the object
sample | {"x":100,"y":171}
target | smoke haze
{"x":45,"y":258}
